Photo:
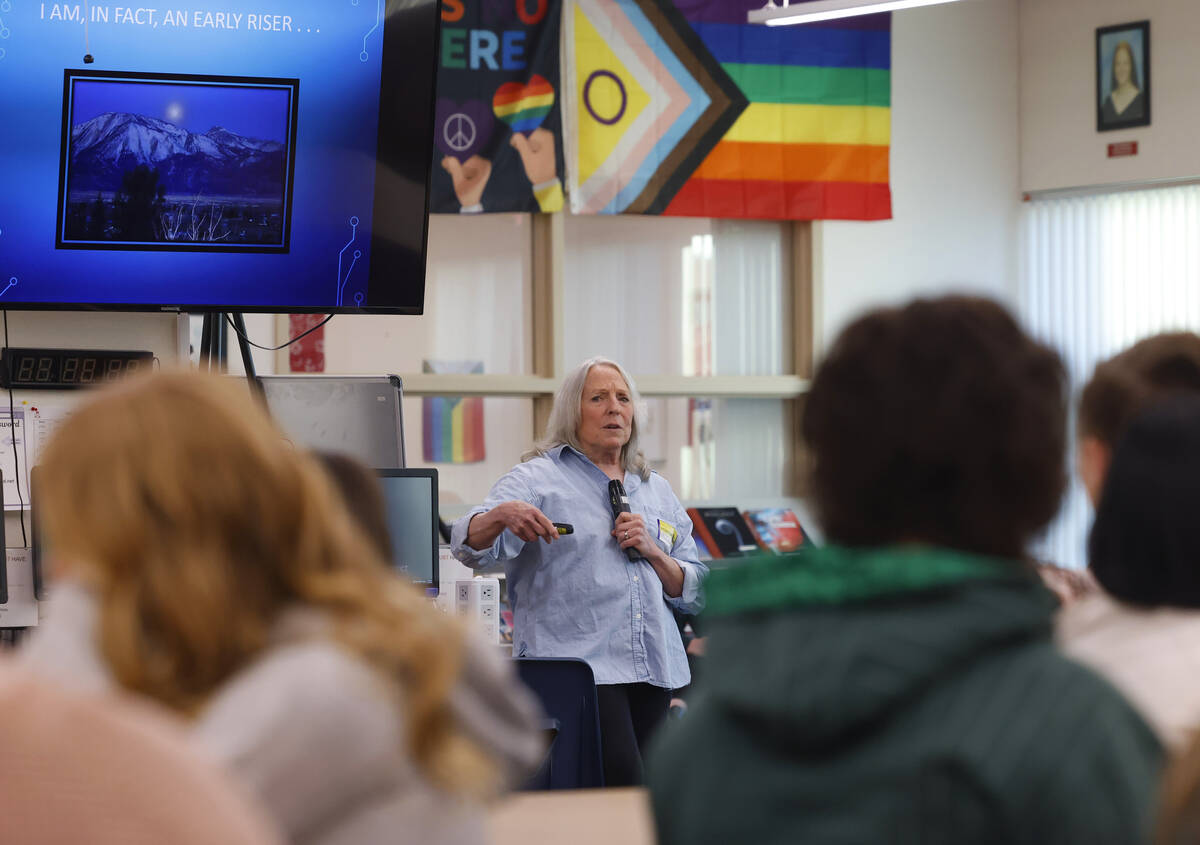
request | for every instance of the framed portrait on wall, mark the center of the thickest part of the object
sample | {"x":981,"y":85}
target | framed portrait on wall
{"x":1123,"y":76}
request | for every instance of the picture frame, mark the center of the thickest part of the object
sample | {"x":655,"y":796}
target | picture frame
{"x":1123,"y":76}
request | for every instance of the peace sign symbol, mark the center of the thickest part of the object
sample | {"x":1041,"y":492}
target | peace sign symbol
{"x":459,"y":132}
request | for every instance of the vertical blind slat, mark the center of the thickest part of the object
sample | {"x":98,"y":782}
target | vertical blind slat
{"x":1097,"y":274}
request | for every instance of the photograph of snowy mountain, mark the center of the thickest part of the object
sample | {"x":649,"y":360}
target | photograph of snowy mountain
{"x":166,"y":164}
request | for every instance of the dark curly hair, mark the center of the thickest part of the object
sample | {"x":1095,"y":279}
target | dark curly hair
{"x":1144,"y":547}
{"x":940,"y":422}
{"x":1125,"y":384}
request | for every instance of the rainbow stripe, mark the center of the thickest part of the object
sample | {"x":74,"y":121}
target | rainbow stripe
{"x":452,"y":430}
{"x":524,"y":107}
{"x":814,"y":141}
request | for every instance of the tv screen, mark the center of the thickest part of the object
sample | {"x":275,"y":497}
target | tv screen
{"x":266,"y":156}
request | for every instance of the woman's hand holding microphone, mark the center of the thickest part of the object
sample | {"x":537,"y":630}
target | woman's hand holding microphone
{"x":630,"y":532}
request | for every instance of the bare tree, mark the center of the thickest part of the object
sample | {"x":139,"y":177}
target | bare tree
{"x":193,"y":223}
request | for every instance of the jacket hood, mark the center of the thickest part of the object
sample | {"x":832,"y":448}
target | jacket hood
{"x":821,"y":647}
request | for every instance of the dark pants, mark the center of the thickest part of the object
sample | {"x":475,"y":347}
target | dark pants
{"x":629,"y":715}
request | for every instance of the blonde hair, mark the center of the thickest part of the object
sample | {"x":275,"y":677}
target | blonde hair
{"x":563,"y":426}
{"x":178,"y":501}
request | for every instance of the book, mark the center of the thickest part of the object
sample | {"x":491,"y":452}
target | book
{"x":777,"y":529}
{"x":723,"y":531}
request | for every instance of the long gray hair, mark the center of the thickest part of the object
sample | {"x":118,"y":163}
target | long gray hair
{"x":563,"y":426}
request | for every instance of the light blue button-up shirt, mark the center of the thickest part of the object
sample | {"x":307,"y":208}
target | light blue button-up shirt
{"x":580,"y":596}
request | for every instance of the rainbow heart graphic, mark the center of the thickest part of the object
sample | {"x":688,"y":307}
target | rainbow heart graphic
{"x":524,"y":107}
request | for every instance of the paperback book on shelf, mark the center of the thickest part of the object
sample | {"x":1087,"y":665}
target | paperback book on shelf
{"x":723,"y":531}
{"x":777,"y":529}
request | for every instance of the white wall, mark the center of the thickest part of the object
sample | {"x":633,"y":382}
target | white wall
{"x":163,"y":334}
{"x":954,"y":170}
{"x":261,"y":329}
{"x":1060,"y":146}
{"x":477,"y":308}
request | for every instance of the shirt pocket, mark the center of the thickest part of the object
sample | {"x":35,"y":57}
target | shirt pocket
{"x":661,"y":529}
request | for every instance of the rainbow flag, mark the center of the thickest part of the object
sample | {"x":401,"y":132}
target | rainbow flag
{"x":814,"y":141}
{"x":680,"y":107}
{"x":452,"y":426}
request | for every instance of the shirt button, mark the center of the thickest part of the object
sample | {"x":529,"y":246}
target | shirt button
{"x":635,"y":577}
{"x":637,"y":616}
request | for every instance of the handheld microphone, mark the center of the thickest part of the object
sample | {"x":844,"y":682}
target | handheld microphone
{"x":620,"y":504}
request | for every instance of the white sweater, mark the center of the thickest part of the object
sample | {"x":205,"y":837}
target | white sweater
{"x":1151,"y":655}
{"x":316,"y":736}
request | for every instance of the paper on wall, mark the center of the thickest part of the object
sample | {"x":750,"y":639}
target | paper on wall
{"x":14,"y":456}
{"x":45,"y":415}
{"x":21,"y":611}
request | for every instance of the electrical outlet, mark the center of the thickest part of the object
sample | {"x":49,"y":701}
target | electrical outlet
{"x":478,"y":602}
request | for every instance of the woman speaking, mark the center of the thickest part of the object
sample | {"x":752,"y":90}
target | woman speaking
{"x":604,"y":592}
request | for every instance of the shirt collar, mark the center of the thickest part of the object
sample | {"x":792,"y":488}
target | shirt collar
{"x":632,"y":480}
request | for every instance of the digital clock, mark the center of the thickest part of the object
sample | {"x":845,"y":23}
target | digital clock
{"x":67,"y":369}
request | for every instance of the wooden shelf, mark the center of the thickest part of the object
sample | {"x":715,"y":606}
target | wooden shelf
{"x":657,"y":386}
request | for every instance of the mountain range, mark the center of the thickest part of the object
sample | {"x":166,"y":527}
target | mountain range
{"x":216,"y":163}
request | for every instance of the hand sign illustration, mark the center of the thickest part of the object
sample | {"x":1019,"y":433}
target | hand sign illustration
{"x":469,"y":178}
{"x":537,"y":154}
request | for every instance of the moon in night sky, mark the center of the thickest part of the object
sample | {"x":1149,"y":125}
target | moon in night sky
{"x":174,"y":112}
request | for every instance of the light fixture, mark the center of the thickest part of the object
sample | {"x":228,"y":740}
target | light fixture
{"x":773,"y":14}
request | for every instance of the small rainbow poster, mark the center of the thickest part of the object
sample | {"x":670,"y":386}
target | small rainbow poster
{"x":452,"y":426}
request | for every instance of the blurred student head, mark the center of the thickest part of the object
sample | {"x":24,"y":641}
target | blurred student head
{"x":1144,"y":547}
{"x":175,"y":499}
{"x":939,"y":422}
{"x":1121,"y":387}
{"x":362,"y":496}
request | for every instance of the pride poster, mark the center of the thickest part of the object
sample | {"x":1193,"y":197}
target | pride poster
{"x":498,"y":123}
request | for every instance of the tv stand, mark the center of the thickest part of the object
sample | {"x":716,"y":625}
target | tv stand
{"x":214,"y":346}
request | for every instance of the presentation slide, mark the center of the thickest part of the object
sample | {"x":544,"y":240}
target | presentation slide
{"x":212,"y":155}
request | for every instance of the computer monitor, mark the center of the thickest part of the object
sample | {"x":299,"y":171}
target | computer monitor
{"x":356,"y":415}
{"x":410,"y":497}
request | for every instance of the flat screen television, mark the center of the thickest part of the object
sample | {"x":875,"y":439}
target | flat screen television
{"x":223,"y":156}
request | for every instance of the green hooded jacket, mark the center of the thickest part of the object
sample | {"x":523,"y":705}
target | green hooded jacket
{"x":897,"y":696}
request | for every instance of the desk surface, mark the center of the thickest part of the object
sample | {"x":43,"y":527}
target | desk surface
{"x":580,"y":817}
